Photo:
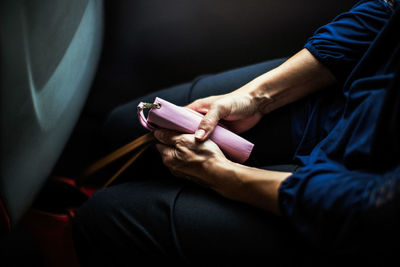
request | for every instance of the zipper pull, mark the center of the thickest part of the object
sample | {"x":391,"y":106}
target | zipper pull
{"x":144,"y":105}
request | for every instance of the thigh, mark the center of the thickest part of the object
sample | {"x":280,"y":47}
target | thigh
{"x":167,"y":220}
{"x":209,"y":226}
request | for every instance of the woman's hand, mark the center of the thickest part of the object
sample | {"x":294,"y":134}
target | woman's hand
{"x":297,"y":77}
{"x":205,"y":164}
{"x":238,"y":109}
{"x":188,"y":158}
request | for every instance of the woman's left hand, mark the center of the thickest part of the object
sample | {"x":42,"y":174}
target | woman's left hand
{"x":188,"y":158}
{"x":205,"y":164}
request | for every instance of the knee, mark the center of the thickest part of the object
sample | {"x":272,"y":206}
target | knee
{"x":93,"y":214}
{"x":123,"y":223}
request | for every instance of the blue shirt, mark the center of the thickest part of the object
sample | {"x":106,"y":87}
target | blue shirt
{"x":348,"y":191}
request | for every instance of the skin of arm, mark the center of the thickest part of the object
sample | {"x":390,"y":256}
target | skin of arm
{"x":196,"y":158}
{"x":299,"y":76}
{"x":205,"y":164}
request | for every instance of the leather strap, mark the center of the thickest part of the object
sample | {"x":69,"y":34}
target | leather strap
{"x":143,"y":141}
{"x":126,"y":165}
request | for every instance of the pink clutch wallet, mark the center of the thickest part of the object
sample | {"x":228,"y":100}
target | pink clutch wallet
{"x":163,"y":114}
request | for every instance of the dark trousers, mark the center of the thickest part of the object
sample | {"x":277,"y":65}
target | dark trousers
{"x":151,"y":216}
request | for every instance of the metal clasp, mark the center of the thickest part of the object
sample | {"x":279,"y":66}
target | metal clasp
{"x":150,"y":105}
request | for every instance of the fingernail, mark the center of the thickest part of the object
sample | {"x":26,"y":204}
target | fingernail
{"x":200,"y":133}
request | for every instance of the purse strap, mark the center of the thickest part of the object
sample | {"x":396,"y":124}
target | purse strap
{"x":142,"y":142}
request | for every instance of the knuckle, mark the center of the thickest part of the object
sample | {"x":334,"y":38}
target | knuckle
{"x":179,"y":142}
{"x":178,"y":146}
{"x":175,"y":155}
{"x":182,"y":141}
{"x":207,"y":123}
{"x":208,"y":119}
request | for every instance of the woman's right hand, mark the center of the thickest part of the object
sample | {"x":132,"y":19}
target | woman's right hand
{"x":297,"y":77}
{"x":238,"y":109}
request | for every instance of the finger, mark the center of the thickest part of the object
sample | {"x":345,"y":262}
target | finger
{"x":163,"y":149}
{"x":208,"y":123}
{"x":166,"y":153}
{"x":166,"y":137}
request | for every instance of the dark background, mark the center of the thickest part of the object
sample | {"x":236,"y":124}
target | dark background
{"x":153,"y":44}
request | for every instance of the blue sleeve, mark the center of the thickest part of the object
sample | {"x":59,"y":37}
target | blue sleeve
{"x":339,"y":209}
{"x":340,"y":44}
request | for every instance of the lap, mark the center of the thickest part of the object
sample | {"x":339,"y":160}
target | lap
{"x":155,"y":214}
{"x":170,"y":220}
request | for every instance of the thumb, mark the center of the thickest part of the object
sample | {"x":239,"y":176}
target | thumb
{"x":208,"y":124}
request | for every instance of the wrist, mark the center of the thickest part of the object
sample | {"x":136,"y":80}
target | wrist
{"x":261,"y":93}
{"x":222,"y":172}
{"x":250,"y":185}
{"x":263,"y":99}
{"x":270,"y":95}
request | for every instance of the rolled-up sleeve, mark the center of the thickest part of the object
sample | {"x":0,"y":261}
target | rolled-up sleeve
{"x":340,"y":209}
{"x":340,"y":44}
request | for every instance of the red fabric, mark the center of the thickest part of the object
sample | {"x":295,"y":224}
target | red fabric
{"x":53,"y":231}
{"x":88,"y":190}
{"x":54,"y":235}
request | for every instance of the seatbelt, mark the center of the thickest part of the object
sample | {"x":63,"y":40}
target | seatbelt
{"x":142,"y":142}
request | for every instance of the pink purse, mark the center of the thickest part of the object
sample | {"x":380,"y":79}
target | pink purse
{"x":164,"y":114}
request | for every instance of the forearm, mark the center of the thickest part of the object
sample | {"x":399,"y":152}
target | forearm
{"x":299,"y":76}
{"x":256,"y":187}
